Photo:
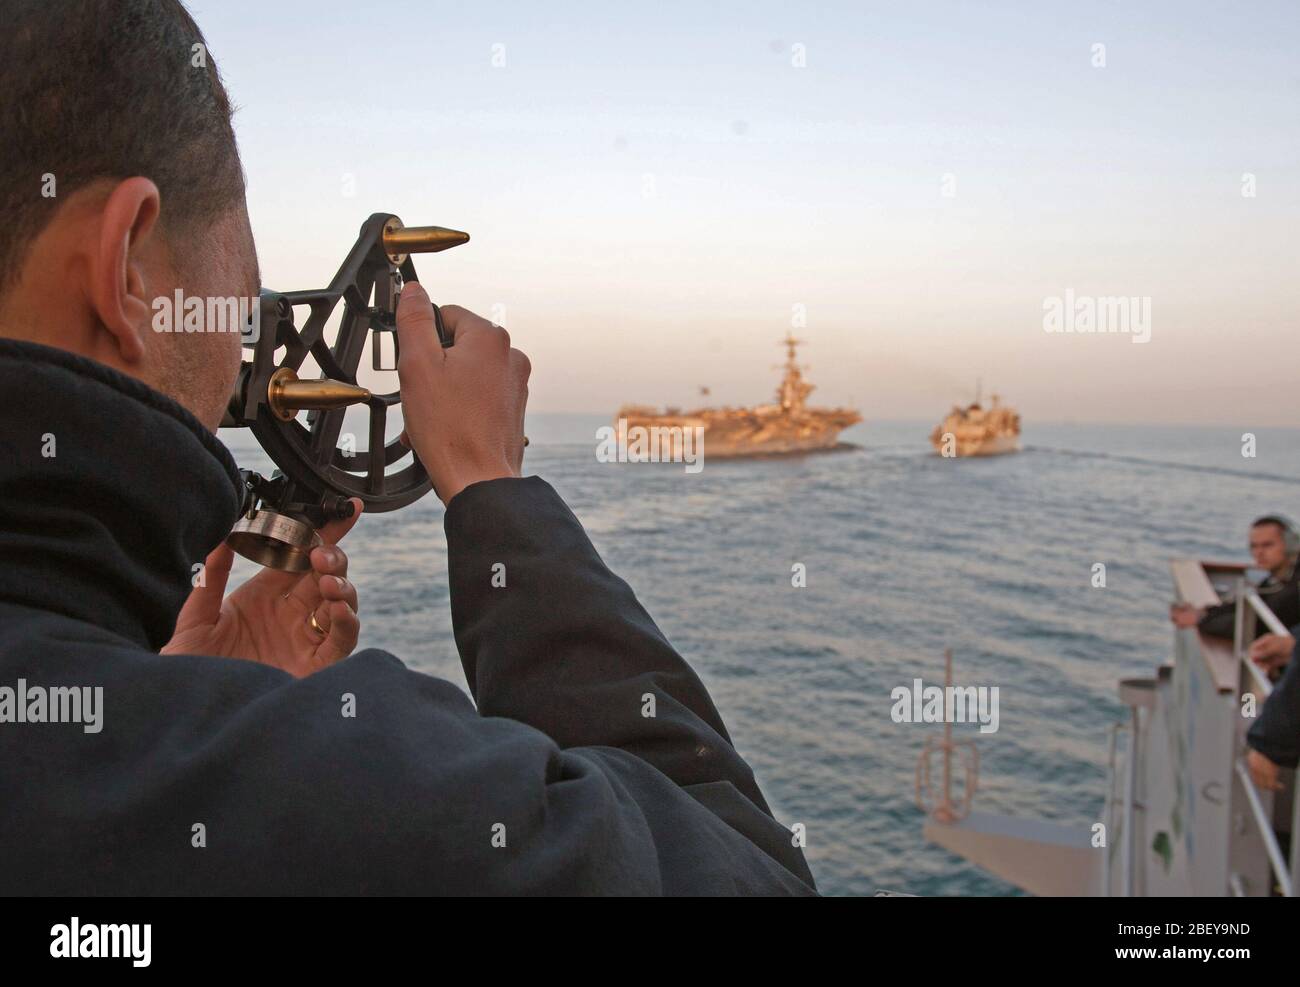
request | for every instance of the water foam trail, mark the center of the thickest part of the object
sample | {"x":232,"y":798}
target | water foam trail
{"x":1166,"y":464}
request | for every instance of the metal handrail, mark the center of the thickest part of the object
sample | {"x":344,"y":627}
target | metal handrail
{"x":1262,"y":685}
{"x":1108,"y":809}
{"x":1265,"y":612}
{"x":1265,"y":825}
{"x":1129,"y":871}
{"x":1244,"y":630}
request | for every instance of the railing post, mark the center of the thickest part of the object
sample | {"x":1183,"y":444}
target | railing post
{"x":1264,"y":821}
{"x":1108,"y":810}
{"x":1250,"y":608}
{"x":1239,"y":618}
{"x":1130,"y":801}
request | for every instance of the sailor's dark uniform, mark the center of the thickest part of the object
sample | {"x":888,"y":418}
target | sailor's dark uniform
{"x":1276,"y":732}
{"x":1281,"y":595}
{"x":557,"y":782}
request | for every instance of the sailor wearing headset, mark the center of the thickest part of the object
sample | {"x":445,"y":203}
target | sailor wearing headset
{"x":1274,"y":738}
{"x":1275,"y":545}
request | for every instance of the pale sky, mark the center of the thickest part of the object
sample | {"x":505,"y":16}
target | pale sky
{"x":652,"y":188}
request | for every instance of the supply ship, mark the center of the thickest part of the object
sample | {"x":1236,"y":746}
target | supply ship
{"x":977,"y":431}
{"x":785,"y":427}
{"x":1180,"y":814}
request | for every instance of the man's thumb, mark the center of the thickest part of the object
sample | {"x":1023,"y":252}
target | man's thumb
{"x":417,"y":330}
{"x":203,"y":606}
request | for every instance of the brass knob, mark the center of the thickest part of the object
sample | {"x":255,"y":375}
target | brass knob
{"x":287,"y":395}
{"x":401,"y":240}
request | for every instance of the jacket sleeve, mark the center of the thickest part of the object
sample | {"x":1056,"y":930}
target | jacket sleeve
{"x":1219,"y":620}
{"x":1276,"y":733}
{"x":550,"y":637}
{"x":1284,"y":600}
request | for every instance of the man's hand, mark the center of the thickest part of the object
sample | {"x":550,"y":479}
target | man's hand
{"x":1263,"y":772}
{"x":1185,"y":615}
{"x":463,"y":407}
{"x":268,"y":619}
{"x":1272,"y":651}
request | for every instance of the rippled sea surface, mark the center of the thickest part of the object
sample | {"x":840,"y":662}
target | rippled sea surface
{"x":906,"y":554}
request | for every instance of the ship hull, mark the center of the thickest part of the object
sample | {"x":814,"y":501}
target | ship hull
{"x":744,"y":450}
{"x":745,"y":435}
{"x":997,"y":445}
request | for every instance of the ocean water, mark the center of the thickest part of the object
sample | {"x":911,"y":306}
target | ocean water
{"x":906,"y":554}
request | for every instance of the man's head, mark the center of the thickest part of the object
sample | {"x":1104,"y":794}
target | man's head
{"x":1272,"y":543}
{"x":120,"y":184}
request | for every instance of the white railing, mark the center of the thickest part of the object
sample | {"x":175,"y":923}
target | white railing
{"x":1108,"y":809}
{"x":1250,"y":607}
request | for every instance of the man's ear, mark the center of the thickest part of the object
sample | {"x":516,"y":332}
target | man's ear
{"x":117,"y":279}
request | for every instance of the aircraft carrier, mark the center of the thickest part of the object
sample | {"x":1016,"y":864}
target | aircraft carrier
{"x":784,"y":427}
